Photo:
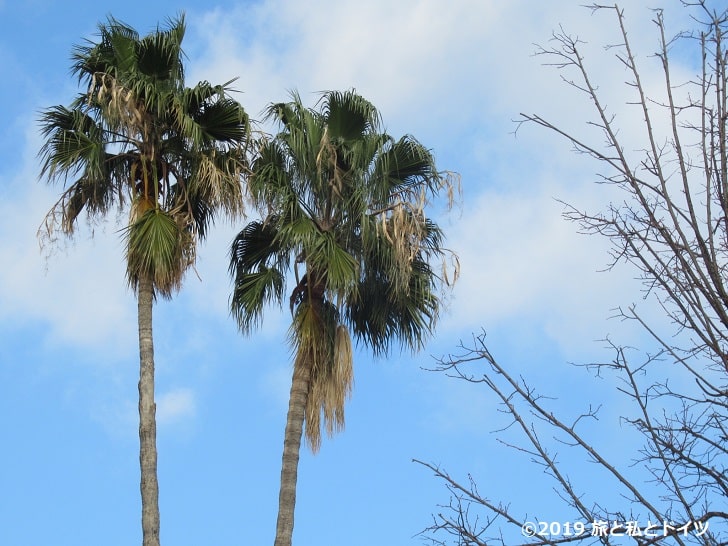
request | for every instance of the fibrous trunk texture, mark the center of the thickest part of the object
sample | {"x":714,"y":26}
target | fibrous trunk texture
{"x":147,"y":417}
{"x":291,"y":450}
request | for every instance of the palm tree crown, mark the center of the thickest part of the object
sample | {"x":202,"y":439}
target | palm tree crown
{"x":343,"y":206}
{"x":138,"y":135}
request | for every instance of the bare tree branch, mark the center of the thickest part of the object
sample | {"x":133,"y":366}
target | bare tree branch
{"x":672,"y":226}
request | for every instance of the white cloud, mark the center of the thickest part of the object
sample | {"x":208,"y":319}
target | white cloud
{"x":455,"y":78}
{"x":401,"y":56}
{"x":119,"y":414}
{"x":522,"y":263}
{"x":79,"y":290}
{"x":428,"y":69}
{"x":175,"y":406}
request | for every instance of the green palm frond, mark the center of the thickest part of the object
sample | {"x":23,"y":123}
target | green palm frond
{"x":159,"y":54}
{"x":206,"y":115}
{"x":257,"y":244}
{"x":73,"y":143}
{"x":287,"y":114}
{"x":113,"y":51}
{"x":258,"y":273}
{"x":74,"y":148}
{"x":384,"y":313}
{"x":349,"y":116}
{"x":251,"y":292}
{"x":404,"y":171}
{"x":324,"y":253}
{"x":158,"y":247}
{"x":223,"y":121}
{"x":269,"y":183}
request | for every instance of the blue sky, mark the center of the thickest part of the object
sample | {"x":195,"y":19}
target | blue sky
{"x":455,"y":78}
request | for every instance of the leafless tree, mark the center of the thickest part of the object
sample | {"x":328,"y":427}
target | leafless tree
{"x":671,"y":224}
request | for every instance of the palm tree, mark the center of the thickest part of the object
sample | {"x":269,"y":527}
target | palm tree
{"x":137,"y":138}
{"x":342,"y":207}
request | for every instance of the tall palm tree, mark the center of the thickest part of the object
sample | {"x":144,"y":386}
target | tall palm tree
{"x":342,"y":207}
{"x":137,"y":138}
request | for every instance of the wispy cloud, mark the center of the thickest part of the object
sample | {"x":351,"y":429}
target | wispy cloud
{"x":78,"y":290}
{"x":176,"y":406}
{"x":456,"y":79}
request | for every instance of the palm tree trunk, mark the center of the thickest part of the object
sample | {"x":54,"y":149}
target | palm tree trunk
{"x":147,"y":417}
{"x":291,"y":449}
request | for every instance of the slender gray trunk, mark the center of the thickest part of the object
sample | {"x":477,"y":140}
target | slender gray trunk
{"x":291,"y":450}
{"x":147,"y":418}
